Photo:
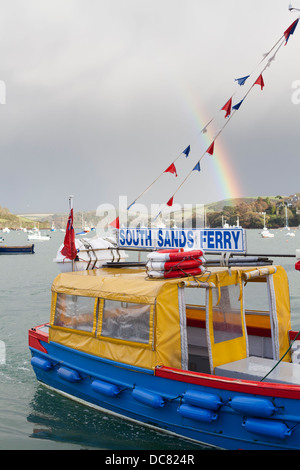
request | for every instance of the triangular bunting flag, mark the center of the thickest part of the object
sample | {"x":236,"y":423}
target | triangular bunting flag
{"x":241,"y":81}
{"x":227,"y":107}
{"x":115,"y":223}
{"x":236,"y":106}
{"x":187,"y":151}
{"x":210,"y":149}
{"x":171,"y":169}
{"x":170,"y":201}
{"x":290,"y":30}
{"x":260,"y":81}
{"x":197,"y":167}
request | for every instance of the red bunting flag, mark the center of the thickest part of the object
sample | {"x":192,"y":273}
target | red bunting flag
{"x":290,"y":30}
{"x":260,"y":81}
{"x":170,"y":201}
{"x":171,"y":169}
{"x":227,"y":107}
{"x":115,"y":223}
{"x":69,"y":249}
{"x":210,"y":149}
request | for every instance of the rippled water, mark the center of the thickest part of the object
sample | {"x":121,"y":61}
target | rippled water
{"x":31,"y":416}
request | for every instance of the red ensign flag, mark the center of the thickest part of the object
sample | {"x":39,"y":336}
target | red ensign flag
{"x":69,"y":249}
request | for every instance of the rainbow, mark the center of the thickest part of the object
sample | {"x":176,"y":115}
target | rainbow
{"x":225,"y":175}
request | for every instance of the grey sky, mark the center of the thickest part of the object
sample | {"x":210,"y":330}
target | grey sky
{"x":102,"y":95}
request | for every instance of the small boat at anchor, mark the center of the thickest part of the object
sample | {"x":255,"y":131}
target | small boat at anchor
{"x":265,"y":233}
{"x":14,"y":250}
{"x":38,"y":236}
{"x":287,"y":228}
{"x":184,"y":355}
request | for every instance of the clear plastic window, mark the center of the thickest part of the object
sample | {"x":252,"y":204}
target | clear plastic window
{"x":256,"y":298}
{"x":227,"y":320}
{"x":195,"y":296}
{"x":126,"y":321}
{"x":74,"y":312}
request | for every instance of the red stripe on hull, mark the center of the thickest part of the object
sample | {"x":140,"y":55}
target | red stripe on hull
{"x":236,"y":385}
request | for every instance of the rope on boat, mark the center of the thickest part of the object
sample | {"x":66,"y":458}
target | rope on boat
{"x":270,"y":371}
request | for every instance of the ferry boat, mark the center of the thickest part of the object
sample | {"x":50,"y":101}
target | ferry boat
{"x":185,"y":355}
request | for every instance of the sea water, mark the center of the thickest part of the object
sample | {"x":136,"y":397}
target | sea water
{"x":33,"y":417}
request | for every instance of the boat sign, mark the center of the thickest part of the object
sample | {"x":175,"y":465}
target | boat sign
{"x":233,"y":240}
{"x":206,"y":239}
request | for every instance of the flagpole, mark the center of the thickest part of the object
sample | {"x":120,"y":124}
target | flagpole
{"x":71,"y":202}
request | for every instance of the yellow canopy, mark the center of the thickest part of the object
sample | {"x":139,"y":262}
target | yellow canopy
{"x":122,"y":286}
{"x":114,"y":302}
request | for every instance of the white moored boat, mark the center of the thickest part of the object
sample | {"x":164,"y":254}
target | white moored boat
{"x":38,"y":236}
{"x":265,"y":233}
{"x":92,"y":253}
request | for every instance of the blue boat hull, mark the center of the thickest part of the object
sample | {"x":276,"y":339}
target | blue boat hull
{"x":223,"y":418}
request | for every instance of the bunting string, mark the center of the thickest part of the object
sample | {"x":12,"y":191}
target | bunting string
{"x":170,"y":169}
{"x":241,"y":81}
{"x":228,"y":106}
{"x":230,"y":111}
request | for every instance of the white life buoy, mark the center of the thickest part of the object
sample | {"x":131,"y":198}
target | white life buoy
{"x":171,"y":265}
{"x":165,"y":255}
{"x":175,"y":273}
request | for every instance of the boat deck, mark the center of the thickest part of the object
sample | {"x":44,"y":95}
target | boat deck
{"x":257,"y":368}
